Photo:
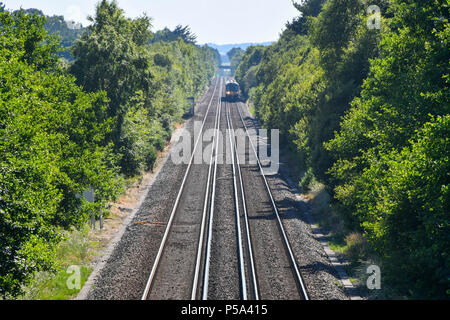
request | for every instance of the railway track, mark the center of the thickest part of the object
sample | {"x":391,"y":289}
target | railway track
{"x":240,"y":197}
{"x":230,"y":240}
{"x":164,"y":268}
{"x":281,"y":237}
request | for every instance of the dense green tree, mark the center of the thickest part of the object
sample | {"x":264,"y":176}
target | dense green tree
{"x":56,"y":25}
{"x":23,"y":37}
{"x":246,"y":71}
{"x":367,"y":110}
{"x":180,"y":32}
{"x":407,"y":87}
{"x":51,"y":150}
{"x":111,"y":56}
{"x":116,"y":54}
{"x":307,"y":9}
{"x":346,"y":45}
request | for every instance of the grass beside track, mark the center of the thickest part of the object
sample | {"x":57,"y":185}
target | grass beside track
{"x":80,"y":248}
{"x":349,"y":244}
{"x":76,"y":250}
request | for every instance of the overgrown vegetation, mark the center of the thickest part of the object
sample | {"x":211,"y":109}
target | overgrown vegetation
{"x":75,"y":250}
{"x":93,"y":124}
{"x":366,"y":111}
{"x":66,"y":31}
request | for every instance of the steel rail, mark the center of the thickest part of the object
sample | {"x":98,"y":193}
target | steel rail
{"x":280,"y":224}
{"x":205,"y":287}
{"x":244,"y":209}
{"x":205,"y":206}
{"x":175,"y":207}
{"x":237,"y":211}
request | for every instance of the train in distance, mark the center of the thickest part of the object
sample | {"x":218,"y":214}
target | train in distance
{"x":232,"y":91}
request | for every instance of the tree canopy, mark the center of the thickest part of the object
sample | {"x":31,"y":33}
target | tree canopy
{"x":51,"y":150}
{"x":91,"y":125}
{"x":366,"y":112}
{"x":235,"y":55}
{"x":180,"y":32}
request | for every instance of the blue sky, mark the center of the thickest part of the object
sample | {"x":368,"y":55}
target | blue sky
{"x":221,"y":22}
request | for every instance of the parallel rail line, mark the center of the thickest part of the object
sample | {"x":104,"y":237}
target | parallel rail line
{"x":214,"y":152}
{"x":285,"y":239}
{"x":237,"y":171}
{"x":148,"y":286}
{"x":200,"y":286}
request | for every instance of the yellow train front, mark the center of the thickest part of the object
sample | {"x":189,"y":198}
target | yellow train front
{"x":232,"y":91}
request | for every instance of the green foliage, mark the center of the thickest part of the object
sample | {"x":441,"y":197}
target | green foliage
{"x":307,"y":9}
{"x":110,"y":56}
{"x":367,"y":111}
{"x":23,"y":37}
{"x":376,"y":150}
{"x":56,"y":25}
{"x":57,"y":140}
{"x":403,"y":200}
{"x":180,"y":32}
{"x":137,"y":138}
{"x":333,"y":29}
{"x":181,"y":70}
{"x":50,"y":150}
{"x":116,"y":55}
{"x":306,"y":181}
{"x":246,"y":71}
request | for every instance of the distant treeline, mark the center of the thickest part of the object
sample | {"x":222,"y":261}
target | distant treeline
{"x":66,"y":31}
{"x":235,"y":56}
{"x":363,"y":102}
{"x":224,"y":48}
{"x":94,"y":122}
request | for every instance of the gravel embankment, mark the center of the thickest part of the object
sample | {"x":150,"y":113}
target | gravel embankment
{"x":319,"y":275}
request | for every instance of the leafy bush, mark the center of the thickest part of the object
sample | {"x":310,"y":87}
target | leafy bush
{"x":356,"y":246}
{"x":116,"y":54}
{"x":307,"y":179}
{"x":368,"y":113}
{"x":56,"y":140}
{"x":405,"y":214}
{"x":389,"y":176}
{"x":51,"y":149}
